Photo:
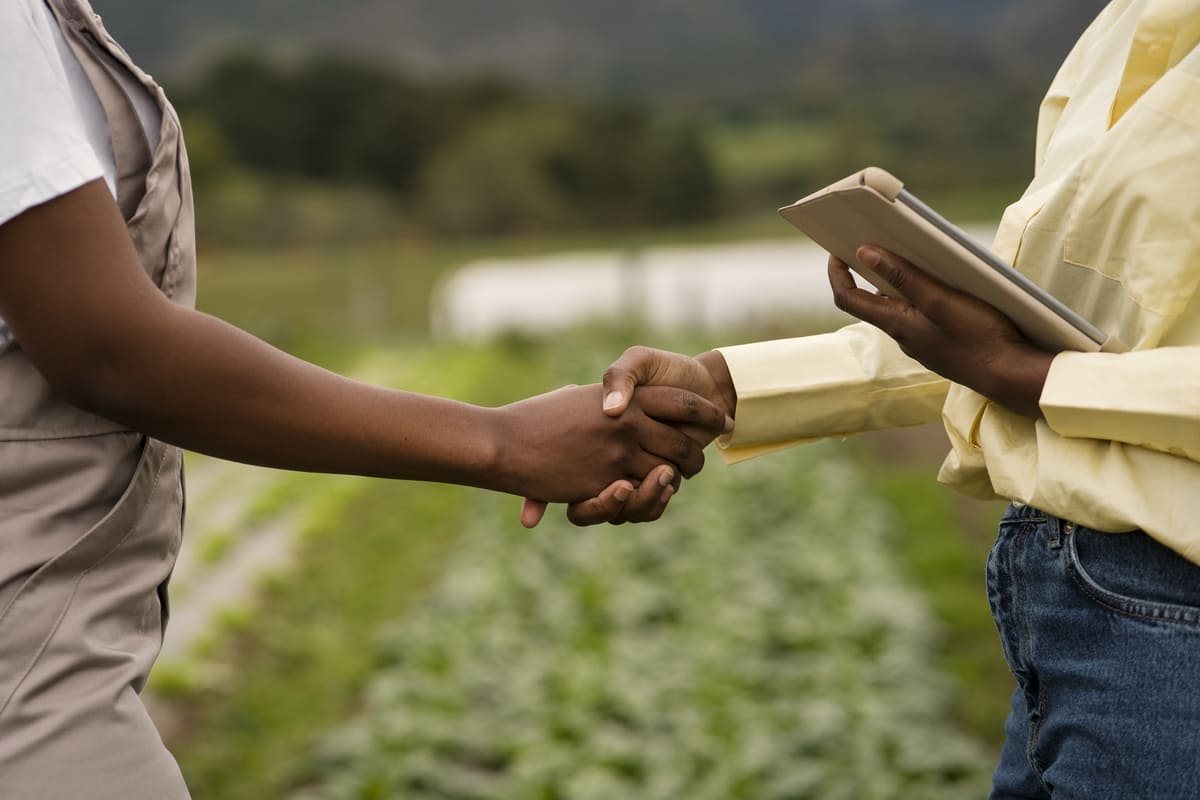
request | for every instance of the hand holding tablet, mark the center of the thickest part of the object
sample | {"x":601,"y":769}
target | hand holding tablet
{"x":872,"y":207}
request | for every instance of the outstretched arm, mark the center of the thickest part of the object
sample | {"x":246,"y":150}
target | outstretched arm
{"x":90,"y":320}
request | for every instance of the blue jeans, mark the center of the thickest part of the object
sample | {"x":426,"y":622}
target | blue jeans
{"x":1102,"y":632}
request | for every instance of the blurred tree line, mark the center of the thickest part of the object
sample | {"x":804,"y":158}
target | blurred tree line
{"x":461,"y":157}
{"x":941,"y":113}
{"x":338,"y":148}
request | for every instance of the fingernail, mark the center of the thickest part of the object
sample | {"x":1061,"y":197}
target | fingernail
{"x":613,"y":400}
{"x":623,"y":492}
{"x":667,"y":494}
{"x":868,"y":257}
{"x":728,"y":424}
{"x":666,"y":479}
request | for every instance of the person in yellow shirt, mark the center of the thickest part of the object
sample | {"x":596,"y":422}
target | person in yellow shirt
{"x":1094,"y":580}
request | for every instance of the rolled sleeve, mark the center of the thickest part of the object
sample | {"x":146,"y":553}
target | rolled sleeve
{"x":837,"y":384}
{"x":1149,"y":398}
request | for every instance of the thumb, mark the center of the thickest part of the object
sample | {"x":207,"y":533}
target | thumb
{"x":626,"y":373}
{"x":532,"y":512}
{"x":618,"y":391}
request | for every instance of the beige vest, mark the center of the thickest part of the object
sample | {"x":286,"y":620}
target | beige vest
{"x":91,"y":514}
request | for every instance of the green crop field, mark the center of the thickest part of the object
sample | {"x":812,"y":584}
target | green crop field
{"x":812,"y":624}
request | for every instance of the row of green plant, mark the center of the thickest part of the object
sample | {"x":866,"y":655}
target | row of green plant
{"x":766,"y":639}
{"x":242,"y":714}
{"x":760,"y":643}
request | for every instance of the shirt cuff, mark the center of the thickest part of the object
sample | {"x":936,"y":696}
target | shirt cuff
{"x":1145,"y":398}
{"x":837,"y":384}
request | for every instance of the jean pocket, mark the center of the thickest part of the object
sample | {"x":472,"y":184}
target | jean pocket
{"x":1133,"y":575}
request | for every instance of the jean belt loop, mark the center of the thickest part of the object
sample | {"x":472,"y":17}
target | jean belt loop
{"x":1056,"y":528}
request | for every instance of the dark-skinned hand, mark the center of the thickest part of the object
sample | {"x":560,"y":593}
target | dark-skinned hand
{"x":950,"y":332}
{"x":706,"y":375}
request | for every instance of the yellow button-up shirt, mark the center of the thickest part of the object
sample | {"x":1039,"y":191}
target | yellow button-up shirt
{"x":1110,"y":225}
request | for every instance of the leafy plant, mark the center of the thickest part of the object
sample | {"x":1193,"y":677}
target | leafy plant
{"x":757,"y":644}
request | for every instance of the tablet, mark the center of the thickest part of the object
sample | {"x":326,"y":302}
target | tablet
{"x":873,"y":207}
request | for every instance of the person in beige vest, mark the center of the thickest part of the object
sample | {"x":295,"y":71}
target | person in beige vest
{"x":106,"y":371}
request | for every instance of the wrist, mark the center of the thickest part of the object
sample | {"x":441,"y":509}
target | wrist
{"x":1018,"y":383}
{"x":497,"y":469}
{"x":718,"y":370}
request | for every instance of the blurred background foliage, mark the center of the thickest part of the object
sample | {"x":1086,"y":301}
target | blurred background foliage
{"x":463,"y":157}
{"x":309,"y":121}
{"x":810,"y":627}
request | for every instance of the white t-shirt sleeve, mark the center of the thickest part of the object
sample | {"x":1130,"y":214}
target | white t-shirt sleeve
{"x":44,"y":147}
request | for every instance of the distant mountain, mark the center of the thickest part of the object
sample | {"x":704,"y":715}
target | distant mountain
{"x":620,"y":46}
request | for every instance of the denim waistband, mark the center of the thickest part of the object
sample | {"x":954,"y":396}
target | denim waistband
{"x":1017,"y":511}
{"x":1053,"y":527}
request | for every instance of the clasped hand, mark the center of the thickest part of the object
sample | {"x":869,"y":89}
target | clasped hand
{"x":949,"y":332}
{"x":667,"y":405}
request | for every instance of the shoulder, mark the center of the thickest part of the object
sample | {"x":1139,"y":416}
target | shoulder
{"x":45,"y":148}
{"x":26,"y":31}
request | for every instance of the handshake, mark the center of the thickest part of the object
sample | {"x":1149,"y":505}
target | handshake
{"x":617,"y":452}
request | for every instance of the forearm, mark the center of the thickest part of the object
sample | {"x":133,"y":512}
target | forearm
{"x":195,"y":381}
{"x":105,"y":338}
{"x":835,"y":384}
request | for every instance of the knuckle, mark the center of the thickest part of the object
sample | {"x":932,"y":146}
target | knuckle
{"x":894,"y":330}
{"x":591,"y":512}
{"x":935,"y":307}
{"x":892,"y":274}
{"x":914,"y":318}
{"x":689,"y":405}
{"x":630,"y":516}
{"x":637,"y":354}
{"x":613,"y":375}
{"x":684,"y":448}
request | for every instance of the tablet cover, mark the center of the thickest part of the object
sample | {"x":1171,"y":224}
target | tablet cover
{"x":864,"y":209}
